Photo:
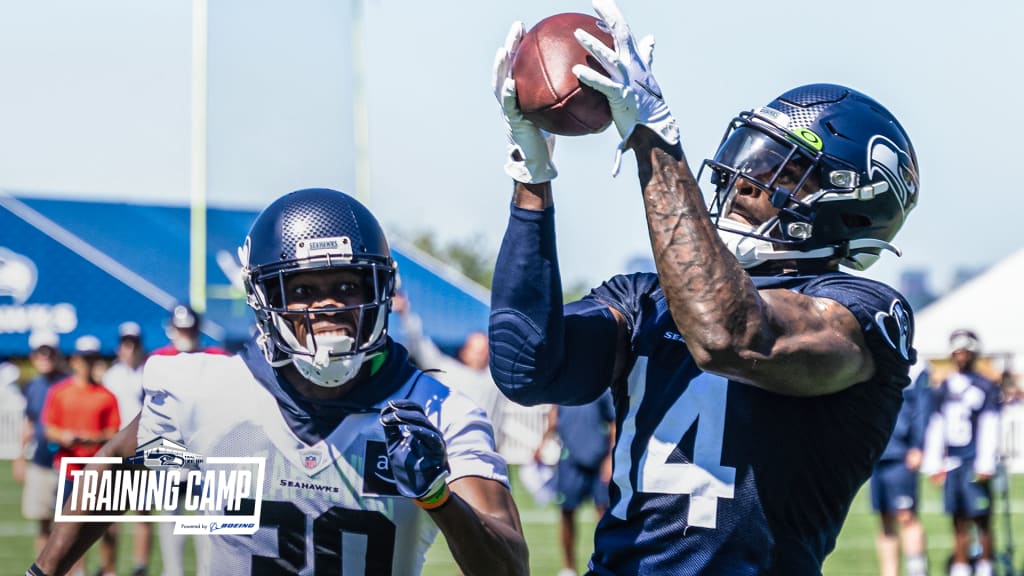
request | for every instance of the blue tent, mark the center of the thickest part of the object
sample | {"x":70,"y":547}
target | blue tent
{"x":75,"y":267}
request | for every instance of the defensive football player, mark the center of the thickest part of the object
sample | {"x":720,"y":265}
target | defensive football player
{"x":366,"y":456}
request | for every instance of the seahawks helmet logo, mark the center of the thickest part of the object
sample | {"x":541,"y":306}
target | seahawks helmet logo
{"x":893,"y":165}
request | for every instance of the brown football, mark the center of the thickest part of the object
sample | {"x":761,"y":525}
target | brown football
{"x":549,"y":93}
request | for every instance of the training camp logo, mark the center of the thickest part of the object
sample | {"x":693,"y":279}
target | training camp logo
{"x":201,"y":495}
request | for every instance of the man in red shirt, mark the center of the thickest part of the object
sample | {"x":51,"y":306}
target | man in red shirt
{"x":80,"y":415}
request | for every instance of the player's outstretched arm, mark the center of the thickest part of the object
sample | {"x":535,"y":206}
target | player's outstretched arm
{"x":70,"y":540}
{"x":776,"y":339}
{"x":530,"y":338}
{"x":481,"y":525}
{"x":542,"y":351}
{"x":477,"y":516}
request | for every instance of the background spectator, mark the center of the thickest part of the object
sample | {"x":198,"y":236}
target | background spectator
{"x":468,"y":372}
{"x":34,"y":468}
{"x":124,"y":380}
{"x":183,"y":329}
{"x":585,"y":468}
{"x":80,"y":415}
{"x":1009,"y":391}
{"x":124,"y":377}
{"x":895,"y":485}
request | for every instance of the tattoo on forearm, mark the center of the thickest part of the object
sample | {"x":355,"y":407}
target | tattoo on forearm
{"x":706,"y":288}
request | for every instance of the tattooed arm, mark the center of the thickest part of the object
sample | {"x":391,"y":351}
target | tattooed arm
{"x":775,"y":339}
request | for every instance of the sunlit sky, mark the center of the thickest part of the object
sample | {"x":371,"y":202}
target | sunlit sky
{"x":95,"y":104}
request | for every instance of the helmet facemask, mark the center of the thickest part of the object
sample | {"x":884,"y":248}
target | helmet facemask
{"x":809,"y":190}
{"x":328,"y":360}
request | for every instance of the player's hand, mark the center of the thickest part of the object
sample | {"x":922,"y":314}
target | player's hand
{"x":417,"y":452}
{"x":18,"y":470}
{"x":529,"y":148}
{"x":633,"y":94}
{"x":938,"y":479}
{"x":913,"y":459}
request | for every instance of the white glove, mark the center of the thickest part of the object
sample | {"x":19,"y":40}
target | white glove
{"x":529,"y":148}
{"x":633,"y":94}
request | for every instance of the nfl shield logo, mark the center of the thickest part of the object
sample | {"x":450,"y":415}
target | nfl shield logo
{"x":310,"y":461}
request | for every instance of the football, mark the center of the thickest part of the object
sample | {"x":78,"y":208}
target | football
{"x":549,"y":93}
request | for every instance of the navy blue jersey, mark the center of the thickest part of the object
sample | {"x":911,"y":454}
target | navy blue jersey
{"x":584,"y":431}
{"x":962,"y":399}
{"x":35,"y":398}
{"x":717,"y":477}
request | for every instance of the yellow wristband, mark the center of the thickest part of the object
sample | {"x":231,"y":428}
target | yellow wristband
{"x":434,"y":501}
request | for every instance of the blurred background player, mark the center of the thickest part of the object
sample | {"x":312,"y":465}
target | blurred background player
{"x":80,"y":415}
{"x":961,"y":450}
{"x":124,"y":380}
{"x":34,"y":468}
{"x":586,"y":434}
{"x":124,"y":377}
{"x":184,"y":331}
{"x":468,"y":372}
{"x":895,"y":485}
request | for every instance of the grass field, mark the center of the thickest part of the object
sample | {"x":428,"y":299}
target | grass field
{"x":854,"y":554}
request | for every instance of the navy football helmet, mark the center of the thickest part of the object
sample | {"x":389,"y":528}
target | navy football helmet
{"x":836,"y":164}
{"x":317,"y":229}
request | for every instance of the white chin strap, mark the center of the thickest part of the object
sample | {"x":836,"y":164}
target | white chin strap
{"x":318,"y":366}
{"x":752,"y":251}
{"x":322,"y":369}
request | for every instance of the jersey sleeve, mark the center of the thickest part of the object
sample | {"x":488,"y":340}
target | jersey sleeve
{"x":162,"y":405}
{"x":884,"y":316}
{"x":542,"y":352}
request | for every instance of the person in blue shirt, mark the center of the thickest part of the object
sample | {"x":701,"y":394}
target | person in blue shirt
{"x":962,"y":451}
{"x":755,"y":385}
{"x":584,"y":466}
{"x":895,"y":485}
{"x":35,"y":467}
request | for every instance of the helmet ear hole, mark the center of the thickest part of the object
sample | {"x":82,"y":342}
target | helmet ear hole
{"x":854,"y":221}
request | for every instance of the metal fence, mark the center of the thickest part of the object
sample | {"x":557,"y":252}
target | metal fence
{"x":12,"y":414}
{"x":522,"y":428}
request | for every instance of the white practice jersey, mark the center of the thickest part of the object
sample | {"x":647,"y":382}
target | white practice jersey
{"x":330,"y":506}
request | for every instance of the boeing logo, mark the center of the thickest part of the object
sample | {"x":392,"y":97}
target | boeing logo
{"x":232,"y":525}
